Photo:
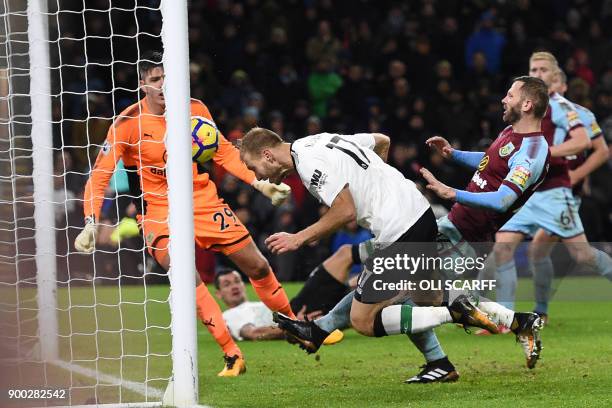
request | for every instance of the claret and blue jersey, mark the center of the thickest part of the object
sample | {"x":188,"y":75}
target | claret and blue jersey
{"x":506,"y":175}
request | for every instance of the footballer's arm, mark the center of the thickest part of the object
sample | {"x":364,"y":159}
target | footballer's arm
{"x":499,"y":201}
{"x":577,"y":142}
{"x":469,"y":159}
{"x":381,"y":145}
{"x":117,"y":139}
{"x":596,"y":158}
{"x":341,"y":212}
{"x":442,"y":146}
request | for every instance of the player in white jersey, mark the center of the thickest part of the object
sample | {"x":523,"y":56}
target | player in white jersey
{"x":348,"y":174}
{"x":385,"y":201}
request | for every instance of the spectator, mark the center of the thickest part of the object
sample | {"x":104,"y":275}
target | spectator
{"x":582,"y":69}
{"x":449,"y":42}
{"x":286,"y":88}
{"x":234,"y":97}
{"x":487,"y":40}
{"x":421,"y":74}
{"x":323,"y":83}
{"x":353,"y":95}
{"x":324,"y":46}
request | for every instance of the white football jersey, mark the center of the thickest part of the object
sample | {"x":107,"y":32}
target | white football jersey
{"x":255,"y":313}
{"x":387,"y":203}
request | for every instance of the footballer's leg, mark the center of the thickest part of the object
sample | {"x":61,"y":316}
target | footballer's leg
{"x":580,"y":250}
{"x":388,"y":317}
{"x":505,"y":246}
{"x":208,"y":310}
{"x":324,"y":289}
{"x":218,"y":229}
{"x":543,"y":270}
{"x":417,"y":323}
{"x":326,"y":284}
{"x":210,"y":314}
{"x":438,"y":367}
{"x":408,"y":319}
{"x":561,"y":219}
{"x":385,"y":318}
{"x":250,"y":261}
{"x":526,"y":326}
{"x":339,"y":317}
{"x":339,"y":263}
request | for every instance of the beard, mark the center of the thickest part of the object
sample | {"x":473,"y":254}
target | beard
{"x":512,"y":116}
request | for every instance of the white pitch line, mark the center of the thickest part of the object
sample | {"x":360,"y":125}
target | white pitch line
{"x":111,"y":379}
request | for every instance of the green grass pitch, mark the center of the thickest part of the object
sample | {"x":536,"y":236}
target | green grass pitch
{"x":575,"y":369}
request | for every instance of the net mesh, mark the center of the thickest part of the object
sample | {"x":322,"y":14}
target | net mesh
{"x":112,"y":306}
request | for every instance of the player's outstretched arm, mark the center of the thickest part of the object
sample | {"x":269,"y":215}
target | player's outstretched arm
{"x":499,"y":200}
{"x":526,"y":167}
{"x":116,"y":141}
{"x":469,"y":159}
{"x":442,"y":190}
{"x":341,"y":212}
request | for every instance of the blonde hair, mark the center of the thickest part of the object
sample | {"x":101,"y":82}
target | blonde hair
{"x":544,"y":55}
{"x":258,"y":139}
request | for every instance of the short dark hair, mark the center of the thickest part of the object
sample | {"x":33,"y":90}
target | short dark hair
{"x":258,"y":139}
{"x":148,"y":61}
{"x":222,"y":272}
{"x":537,"y":91}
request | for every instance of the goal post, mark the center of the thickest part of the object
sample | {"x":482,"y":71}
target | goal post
{"x":180,"y":193}
{"x":42,"y":178}
{"x":118,"y":339}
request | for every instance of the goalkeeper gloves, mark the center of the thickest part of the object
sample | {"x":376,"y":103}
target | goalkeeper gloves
{"x":277,"y":193}
{"x":86,"y":240}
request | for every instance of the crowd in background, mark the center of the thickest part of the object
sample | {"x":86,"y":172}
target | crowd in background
{"x":406,"y":69}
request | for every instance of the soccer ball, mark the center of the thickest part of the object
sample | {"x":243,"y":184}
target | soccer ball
{"x":205,"y":139}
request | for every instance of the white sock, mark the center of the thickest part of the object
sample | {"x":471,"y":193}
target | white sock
{"x":398,"y":319}
{"x":391,"y":317}
{"x":425,"y":318}
{"x":497,"y":313}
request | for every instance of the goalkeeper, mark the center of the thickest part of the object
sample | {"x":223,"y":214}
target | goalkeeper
{"x":137,"y":136}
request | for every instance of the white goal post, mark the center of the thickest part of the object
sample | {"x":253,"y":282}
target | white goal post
{"x":118,"y":340}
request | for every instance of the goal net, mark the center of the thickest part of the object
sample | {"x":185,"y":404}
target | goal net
{"x":97,"y":325}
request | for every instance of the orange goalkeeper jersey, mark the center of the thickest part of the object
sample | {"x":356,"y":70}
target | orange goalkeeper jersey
{"x":137,"y":137}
